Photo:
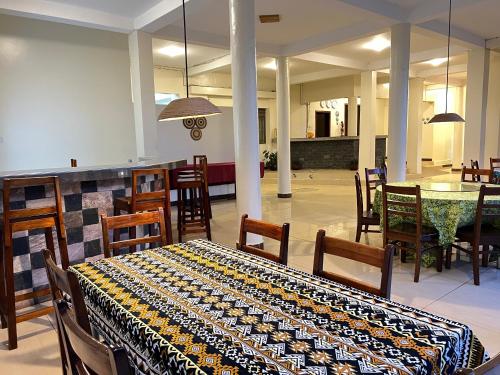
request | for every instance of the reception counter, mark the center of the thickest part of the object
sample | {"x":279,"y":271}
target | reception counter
{"x":86,"y":192}
{"x":332,"y":152}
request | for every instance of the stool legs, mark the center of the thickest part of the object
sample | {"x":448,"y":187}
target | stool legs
{"x":10,"y":300}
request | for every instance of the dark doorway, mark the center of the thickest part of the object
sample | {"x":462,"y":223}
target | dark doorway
{"x":322,"y":124}
{"x":346,"y":119}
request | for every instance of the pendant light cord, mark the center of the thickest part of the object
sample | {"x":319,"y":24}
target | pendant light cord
{"x":186,"y":48}
{"x":448,"y":59}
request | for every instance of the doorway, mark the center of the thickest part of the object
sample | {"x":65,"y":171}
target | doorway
{"x":323,"y":123}
{"x":346,"y":119}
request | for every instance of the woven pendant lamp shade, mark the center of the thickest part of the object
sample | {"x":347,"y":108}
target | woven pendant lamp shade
{"x":188,"y":108}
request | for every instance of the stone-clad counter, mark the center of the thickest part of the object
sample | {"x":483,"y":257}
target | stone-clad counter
{"x":86,"y":192}
{"x":332,"y":153}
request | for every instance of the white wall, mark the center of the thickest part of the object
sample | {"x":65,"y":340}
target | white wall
{"x":335,"y":127}
{"x":64,"y":93}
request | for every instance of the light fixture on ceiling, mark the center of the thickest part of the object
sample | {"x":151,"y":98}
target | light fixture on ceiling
{"x":437,"y":62}
{"x":378,"y":44}
{"x":187,"y":107}
{"x":171,"y":50}
{"x":447,"y":116}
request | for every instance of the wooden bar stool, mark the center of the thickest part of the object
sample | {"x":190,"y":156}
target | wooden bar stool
{"x":18,"y":220}
{"x":147,"y":201}
{"x":193,"y":214}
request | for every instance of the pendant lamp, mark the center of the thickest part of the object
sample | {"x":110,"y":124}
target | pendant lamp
{"x":187,"y":107}
{"x":447,"y":116}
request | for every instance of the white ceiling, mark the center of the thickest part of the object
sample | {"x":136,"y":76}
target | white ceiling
{"x":125,"y":8}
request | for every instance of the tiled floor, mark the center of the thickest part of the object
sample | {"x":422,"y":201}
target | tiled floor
{"x":321,"y":199}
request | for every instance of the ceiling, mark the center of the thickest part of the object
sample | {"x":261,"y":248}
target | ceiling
{"x":125,"y":8}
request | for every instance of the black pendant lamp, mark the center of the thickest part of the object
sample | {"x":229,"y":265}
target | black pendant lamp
{"x":447,"y":116}
{"x":187,"y":107}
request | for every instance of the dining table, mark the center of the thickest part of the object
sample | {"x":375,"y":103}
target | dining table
{"x":204,"y":308}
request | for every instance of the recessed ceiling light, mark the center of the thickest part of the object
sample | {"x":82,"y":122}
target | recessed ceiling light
{"x":171,"y":50}
{"x":437,"y":62}
{"x":379,"y":43}
{"x":270,"y":65}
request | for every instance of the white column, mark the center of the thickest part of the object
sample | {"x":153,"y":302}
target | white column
{"x":398,"y":101}
{"x":414,"y":147}
{"x":491,"y":149}
{"x":246,"y":129}
{"x":367,"y":125}
{"x":283,"y":110}
{"x":143,"y":94}
{"x":352,"y":106}
{"x":458,"y":131}
{"x":475,"y":105}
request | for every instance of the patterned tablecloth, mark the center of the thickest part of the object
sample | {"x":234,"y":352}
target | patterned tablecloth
{"x":203,"y":308}
{"x":444,"y":210}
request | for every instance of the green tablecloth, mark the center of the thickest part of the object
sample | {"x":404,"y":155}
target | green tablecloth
{"x":444,"y":210}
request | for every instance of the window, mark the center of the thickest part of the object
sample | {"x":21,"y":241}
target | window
{"x":262,"y":126}
{"x":164,"y":98}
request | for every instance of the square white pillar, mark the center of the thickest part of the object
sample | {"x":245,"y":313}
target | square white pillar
{"x":352,"y":106}
{"x":414,"y":145}
{"x":143,"y":94}
{"x":367,"y":126}
{"x":475,"y":105}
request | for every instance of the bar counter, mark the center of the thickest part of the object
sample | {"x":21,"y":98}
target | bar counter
{"x":86,"y":192}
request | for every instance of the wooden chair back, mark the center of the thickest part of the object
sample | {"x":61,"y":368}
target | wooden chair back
{"x":133,"y":220}
{"x":474,"y":164}
{"x":359,"y":195}
{"x":262,"y":228}
{"x":48,"y":217}
{"x":374,"y":177}
{"x":145,"y":201}
{"x":66,"y":282}
{"x":408,"y":210}
{"x":476,"y":175}
{"x":489,"y":210}
{"x":85,"y":354}
{"x":373,"y":256}
{"x":489,"y":367}
{"x":495,"y":164}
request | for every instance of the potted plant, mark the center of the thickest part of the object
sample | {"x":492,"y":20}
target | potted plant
{"x":271,"y":160}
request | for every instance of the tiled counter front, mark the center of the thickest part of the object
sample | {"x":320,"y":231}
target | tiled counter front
{"x":83,"y":203}
{"x":332,"y":153}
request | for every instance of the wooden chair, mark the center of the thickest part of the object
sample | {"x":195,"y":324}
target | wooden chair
{"x":474,"y":164}
{"x":476,"y":175}
{"x":64,"y":282}
{"x":365,"y":218}
{"x":480,"y":234}
{"x":132,"y":221}
{"x":374,"y":177}
{"x":146,"y":201}
{"x":381,"y":258}
{"x":276,"y":232}
{"x":24,"y":219}
{"x":193,"y":205}
{"x":489,"y":367}
{"x":495,"y":167}
{"x":86,"y":355}
{"x":409,"y":230}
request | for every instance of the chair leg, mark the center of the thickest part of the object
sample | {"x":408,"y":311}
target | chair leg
{"x":439,"y":259}
{"x":206,"y":213}
{"x":132,"y":233}
{"x":116,"y":232}
{"x":418,"y":256}
{"x":10,"y":297}
{"x":358,"y":232}
{"x":3,"y":303}
{"x":180,"y":208}
{"x":403,"y":256}
{"x":486,"y":255}
{"x":475,"y":264}
{"x":448,"y":257}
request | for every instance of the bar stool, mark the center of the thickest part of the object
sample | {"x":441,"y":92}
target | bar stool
{"x":146,"y":201}
{"x":25,"y":219}
{"x":193,"y":215}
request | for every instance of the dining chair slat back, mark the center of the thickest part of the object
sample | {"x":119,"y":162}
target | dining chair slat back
{"x":269,"y":230}
{"x":490,"y":367}
{"x":373,"y":256}
{"x":374,"y":177}
{"x":476,"y":175}
{"x":87,"y":355}
{"x":365,"y":219}
{"x":132,"y":221}
{"x":474,"y":164}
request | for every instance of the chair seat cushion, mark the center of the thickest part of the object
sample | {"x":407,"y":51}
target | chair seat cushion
{"x":428,"y":233}
{"x":488,"y":233}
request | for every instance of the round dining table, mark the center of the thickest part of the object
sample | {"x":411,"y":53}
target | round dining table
{"x":446,"y":206}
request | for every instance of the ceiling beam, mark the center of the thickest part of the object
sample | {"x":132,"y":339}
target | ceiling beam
{"x":493,"y":43}
{"x":67,"y":14}
{"x":430,"y":10}
{"x":464,"y":36}
{"x":440,"y":71}
{"x":318,"y":76}
{"x":381,"y":8}
{"x":210,"y":66}
{"x":332,"y":60}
